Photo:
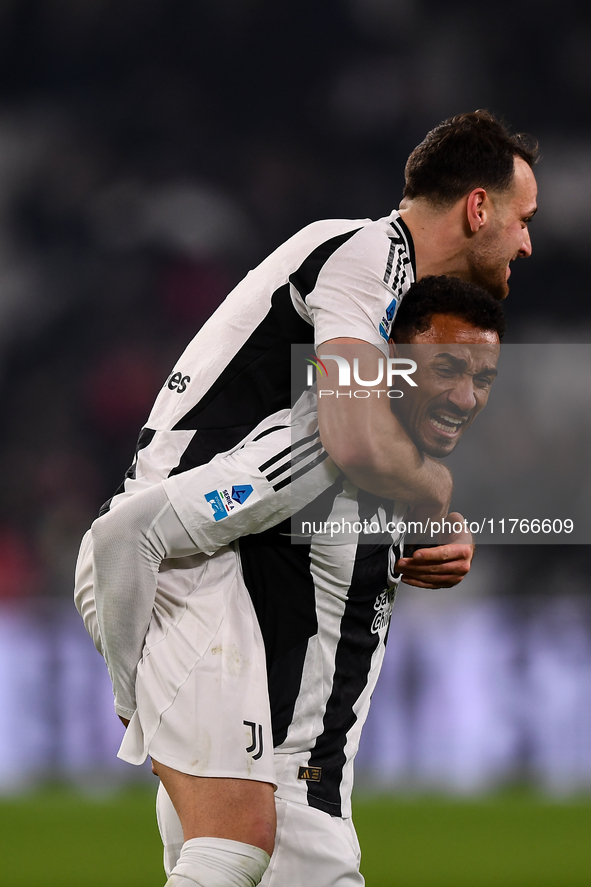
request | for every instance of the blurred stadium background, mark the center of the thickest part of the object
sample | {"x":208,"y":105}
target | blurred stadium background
{"x":151,"y":152}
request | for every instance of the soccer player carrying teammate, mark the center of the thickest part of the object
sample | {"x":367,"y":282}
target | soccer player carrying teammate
{"x":332,"y":283}
{"x":340,"y":612}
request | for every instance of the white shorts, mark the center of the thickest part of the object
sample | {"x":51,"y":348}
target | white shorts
{"x":312,"y":849}
{"x":201,"y":688}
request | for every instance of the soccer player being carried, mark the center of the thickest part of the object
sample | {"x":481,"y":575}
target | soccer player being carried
{"x":470,"y":193}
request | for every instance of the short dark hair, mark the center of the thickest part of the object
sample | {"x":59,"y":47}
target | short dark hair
{"x":446,"y":295}
{"x":465,"y":152}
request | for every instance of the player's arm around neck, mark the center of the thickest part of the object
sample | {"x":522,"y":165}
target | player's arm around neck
{"x":366,"y":440}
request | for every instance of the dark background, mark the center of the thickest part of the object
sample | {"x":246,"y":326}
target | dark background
{"x":152,"y":151}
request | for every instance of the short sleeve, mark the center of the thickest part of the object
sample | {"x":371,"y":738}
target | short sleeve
{"x":353,"y":296}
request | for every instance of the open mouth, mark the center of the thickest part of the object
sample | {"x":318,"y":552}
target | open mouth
{"x":446,"y":424}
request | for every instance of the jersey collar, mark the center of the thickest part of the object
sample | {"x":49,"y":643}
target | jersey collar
{"x":401,"y":228}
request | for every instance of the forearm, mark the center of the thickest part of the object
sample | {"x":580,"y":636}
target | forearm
{"x":388,"y":464}
{"x":129,"y":544}
{"x":428,"y":487}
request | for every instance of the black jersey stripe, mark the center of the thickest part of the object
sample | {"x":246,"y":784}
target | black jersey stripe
{"x":278,"y":471}
{"x":352,"y":666}
{"x":282,"y":483}
{"x":291,"y":449}
{"x":206,"y":443}
{"x":304,"y":440}
{"x":392,"y":250}
{"x":317,"y":461}
{"x":270,"y":431}
{"x":277,"y":576}
{"x":402,"y":229}
{"x":398,"y":280}
{"x":355,"y":649}
{"x":295,"y":461}
{"x":310,"y":465}
{"x":299,"y":457}
{"x":273,"y":459}
{"x":306,"y":277}
{"x":146,"y":436}
{"x":255,"y":384}
{"x":263,"y":362}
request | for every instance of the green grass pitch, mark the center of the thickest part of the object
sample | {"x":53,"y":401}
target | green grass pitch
{"x":57,"y":837}
{"x":508,"y":841}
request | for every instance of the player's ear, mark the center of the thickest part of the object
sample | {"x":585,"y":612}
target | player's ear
{"x":477,"y":205}
{"x":393,"y":348}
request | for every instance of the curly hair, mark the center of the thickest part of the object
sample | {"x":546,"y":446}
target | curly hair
{"x":446,"y":295}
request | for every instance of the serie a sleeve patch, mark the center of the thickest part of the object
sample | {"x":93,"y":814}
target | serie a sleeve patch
{"x":223,"y":502}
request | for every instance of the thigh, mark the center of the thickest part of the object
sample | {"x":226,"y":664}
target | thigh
{"x":313,"y":849}
{"x":236,"y":809}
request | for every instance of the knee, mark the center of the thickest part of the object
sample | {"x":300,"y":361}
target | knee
{"x":255,"y":815}
{"x":263,"y":839}
{"x":261,"y":832}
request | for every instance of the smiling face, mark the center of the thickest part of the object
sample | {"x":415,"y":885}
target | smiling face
{"x":505,"y":236}
{"x":456,"y":366}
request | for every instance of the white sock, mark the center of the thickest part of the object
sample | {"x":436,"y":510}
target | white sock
{"x":218,"y":862}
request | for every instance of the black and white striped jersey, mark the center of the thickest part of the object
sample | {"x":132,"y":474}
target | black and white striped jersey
{"x":323,"y":601}
{"x":336,"y":278}
{"x":324,"y":609}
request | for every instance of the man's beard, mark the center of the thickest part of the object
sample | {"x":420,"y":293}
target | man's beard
{"x":489,"y":275}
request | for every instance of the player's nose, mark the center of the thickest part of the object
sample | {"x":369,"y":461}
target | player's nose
{"x":462,"y":396}
{"x":525,"y":250}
